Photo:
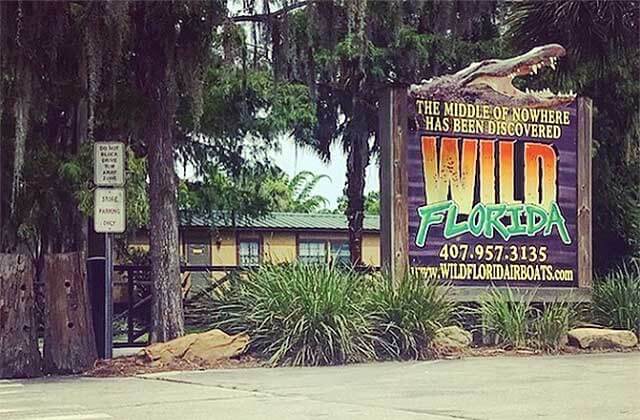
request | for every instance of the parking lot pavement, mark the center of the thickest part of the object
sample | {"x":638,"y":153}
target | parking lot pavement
{"x":599,"y":386}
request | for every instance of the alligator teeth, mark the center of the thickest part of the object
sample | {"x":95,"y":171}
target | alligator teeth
{"x":552,"y":64}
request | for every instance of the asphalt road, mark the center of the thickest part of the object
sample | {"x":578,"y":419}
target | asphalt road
{"x":603,"y":386}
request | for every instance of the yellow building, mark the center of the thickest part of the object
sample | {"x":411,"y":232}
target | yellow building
{"x":224,"y":245}
{"x":278,"y":237}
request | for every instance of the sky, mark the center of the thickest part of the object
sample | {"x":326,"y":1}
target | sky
{"x":292,"y":160}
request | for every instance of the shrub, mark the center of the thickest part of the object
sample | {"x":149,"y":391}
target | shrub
{"x":552,"y":323}
{"x":298,"y":314}
{"x":215,"y":306}
{"x":616,"y":298}
{"x":505,"y":316}
{"x":403,"y":320}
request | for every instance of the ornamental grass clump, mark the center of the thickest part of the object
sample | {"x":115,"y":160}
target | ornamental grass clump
{"x":404,"y":319}
{"x":616,"y":298}
{"x":217,"y":306}
{"x":299,"y":314}
{"x":506,"y":316}
{"x":552,"y":323}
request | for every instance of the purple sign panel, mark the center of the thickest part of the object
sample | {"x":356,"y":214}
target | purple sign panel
{"x":493,"y":193}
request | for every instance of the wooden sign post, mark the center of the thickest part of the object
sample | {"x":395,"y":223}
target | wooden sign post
{"x":585,"y":208}
{"x":394,"y":228}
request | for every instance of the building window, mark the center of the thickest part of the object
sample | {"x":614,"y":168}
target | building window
{"x":249,"y":252}
{"x":312,"y":252}
{"x":340,"y":253}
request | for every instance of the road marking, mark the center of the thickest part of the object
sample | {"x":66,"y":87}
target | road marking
{"x":5,"y":385}
{"x":49,"y":408}
{"x":11,"y":392}
{"x":88,"y":416}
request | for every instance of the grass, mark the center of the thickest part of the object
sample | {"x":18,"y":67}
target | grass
{"x":517,"y":323}
{"x":299,"y":314}
{"x":506,"y":315}
{"x":616,"y":298}
{"x":552,"y":323}
{"x":307,"y":315}
{"x":403,"y":320}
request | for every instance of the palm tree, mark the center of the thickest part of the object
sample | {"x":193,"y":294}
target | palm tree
{"x":301,"y":187}
{"x":296,"y":194}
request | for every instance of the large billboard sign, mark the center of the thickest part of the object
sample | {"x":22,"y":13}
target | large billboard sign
{"x":493,"y":192}
{"x":484,"y":183}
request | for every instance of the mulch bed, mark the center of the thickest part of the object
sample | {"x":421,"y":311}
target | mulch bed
{"x":133,"y":365}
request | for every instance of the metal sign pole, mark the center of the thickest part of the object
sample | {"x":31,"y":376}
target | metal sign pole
{"x":108,"y":299}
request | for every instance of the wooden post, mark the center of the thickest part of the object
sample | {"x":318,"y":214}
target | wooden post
{"x":394,"y":217}
{"x":585,"y":271}
{"x":19,"y":354}
{"x":69,"y":344}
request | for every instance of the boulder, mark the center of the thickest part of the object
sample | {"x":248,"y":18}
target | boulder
{"x":452,"y":338}
{"x":601,"y":338}
{"x":203,"y":348}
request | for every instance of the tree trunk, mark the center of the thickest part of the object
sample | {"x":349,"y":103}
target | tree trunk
{"x":167,"y":311}
{"x":69,"y":344}
{"x":81,"y":129}
{"x":19,"y":354}
{"x":156,"y":55}
{"x":357,"y":162}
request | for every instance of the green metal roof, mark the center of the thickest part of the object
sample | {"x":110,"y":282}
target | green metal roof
{"x":275,"y":221}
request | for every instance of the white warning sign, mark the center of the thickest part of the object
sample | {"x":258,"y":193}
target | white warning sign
{"x":108,"y":161}
{"x":108,"y":211}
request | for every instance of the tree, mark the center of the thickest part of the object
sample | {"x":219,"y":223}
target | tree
{"x":256,"y":191}
{"x":171,"y":47}
{"x":603,"y":62}
{"x":186,"y":59}
{"x":371,"y":203}
{"x":221,"y":195}
{"x":76,"y":72}
{"x":295,"y":194}
{"x":51,"y":69}
{"x":345,"y":51}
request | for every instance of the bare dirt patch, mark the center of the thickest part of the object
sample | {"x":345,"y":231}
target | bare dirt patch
{"x":134,"y":365}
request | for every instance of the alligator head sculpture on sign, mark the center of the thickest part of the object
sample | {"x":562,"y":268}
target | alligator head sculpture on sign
{"x":490,"y":81}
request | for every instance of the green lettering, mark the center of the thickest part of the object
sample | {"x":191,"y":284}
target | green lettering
{"x":476,"y":219}
{"x":494,"y":213}
{"x":556,"y":218}
{"x":451,"y":228}
{"x":430,"y":215}
{"x":516,"y":228}
{"x":534,"y":227}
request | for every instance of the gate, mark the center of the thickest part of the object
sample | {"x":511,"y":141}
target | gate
{"x":132,"y":299}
